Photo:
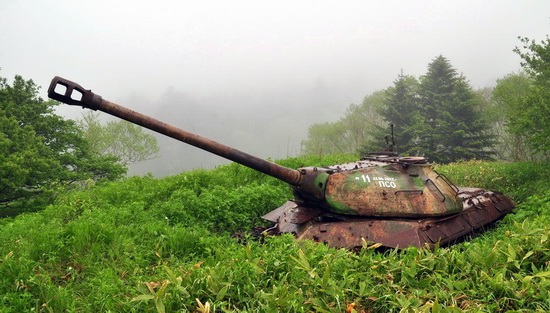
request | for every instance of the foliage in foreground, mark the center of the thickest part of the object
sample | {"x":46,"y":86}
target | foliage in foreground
{"x":148,"y":245}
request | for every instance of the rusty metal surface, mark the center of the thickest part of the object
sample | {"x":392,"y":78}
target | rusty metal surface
{"x":480,"y":209}
{"x":392,"y":190}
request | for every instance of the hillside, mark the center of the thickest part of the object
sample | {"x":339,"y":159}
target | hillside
{"x":166,"y":245}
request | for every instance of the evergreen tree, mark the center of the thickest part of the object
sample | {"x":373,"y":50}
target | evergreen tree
{"x":452,"y":125}
{"x":401,"y":110}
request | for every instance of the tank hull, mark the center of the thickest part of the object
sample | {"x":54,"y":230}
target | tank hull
{"x":480,"y":209}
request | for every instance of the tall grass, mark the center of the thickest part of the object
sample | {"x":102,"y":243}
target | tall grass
{"x":165,"y":245}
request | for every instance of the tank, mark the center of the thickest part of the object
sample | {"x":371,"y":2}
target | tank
{"x":383,"y":198}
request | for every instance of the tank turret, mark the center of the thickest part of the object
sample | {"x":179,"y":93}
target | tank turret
{"x":383,"y":198}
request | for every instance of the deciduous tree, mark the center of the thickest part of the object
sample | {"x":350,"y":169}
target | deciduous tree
{"x":533,"y":121}
{"x":124,"y":140}
{"x":350,"y":132}
{"x":508,"y":100}
{"x":39,"y":149}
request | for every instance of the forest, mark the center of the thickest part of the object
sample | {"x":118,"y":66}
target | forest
{"x":77,"y":234}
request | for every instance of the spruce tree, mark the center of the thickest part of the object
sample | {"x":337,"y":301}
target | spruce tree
{"x":401,"y":110}
{"x":451,"y":127}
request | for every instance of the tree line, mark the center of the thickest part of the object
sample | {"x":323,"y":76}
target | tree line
{"x":440,"y":116}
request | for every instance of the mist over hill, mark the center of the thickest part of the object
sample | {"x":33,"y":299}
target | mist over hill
{"x":268,"y":124}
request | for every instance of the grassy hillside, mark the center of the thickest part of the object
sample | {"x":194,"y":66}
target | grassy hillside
{"x":156,"y":245}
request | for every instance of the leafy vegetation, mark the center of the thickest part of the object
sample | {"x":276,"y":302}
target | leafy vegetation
{"x":128,"y":142}
{"x":507,"y":102}
{"x":183,"y":243}
{"x":39,"y":150}
{"x":533,"y":121}
{"x":165,"y":245}
{"x":349,"y":134}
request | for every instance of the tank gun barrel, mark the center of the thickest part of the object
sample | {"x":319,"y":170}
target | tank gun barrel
{"x":68,"y":92}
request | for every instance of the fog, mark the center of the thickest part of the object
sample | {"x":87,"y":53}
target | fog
{"x":251,"y":74}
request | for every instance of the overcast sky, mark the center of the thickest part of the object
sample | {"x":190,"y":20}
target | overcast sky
{"x":214,"y":65}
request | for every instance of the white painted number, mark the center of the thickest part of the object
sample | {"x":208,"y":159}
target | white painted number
{"x":366,"y":178}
